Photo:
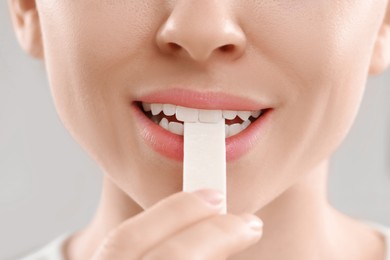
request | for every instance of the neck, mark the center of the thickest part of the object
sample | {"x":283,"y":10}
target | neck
{"x":299,"y":224}
{"x":296,"y":223}
{"x":114,"y":208}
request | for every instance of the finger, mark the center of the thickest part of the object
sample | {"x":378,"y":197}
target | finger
{"x":214,"y":238}
{"x":140,"y":233}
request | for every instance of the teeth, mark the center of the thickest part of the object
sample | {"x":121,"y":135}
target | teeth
{"x":164,"y":123}
{"x":244,"y":115}
{"x":155,"y":119}
{"x":245,"y":124}
{"x":226,"y":131}
{"x":229,"y":114}
{"x":176,"y":128}
{"x":234,"y":129}
{"x":146,"y":107}
{"x":256,"y":113}
{"x":185,"y":114}
{"x":156,"y":109}
{"x":169,"y":110}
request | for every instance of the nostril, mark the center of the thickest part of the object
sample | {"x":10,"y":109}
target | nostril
{"x":227,"y":48}
{"x":174,"y":46}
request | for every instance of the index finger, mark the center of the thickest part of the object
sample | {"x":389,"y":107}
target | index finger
{"x":170,"y":215}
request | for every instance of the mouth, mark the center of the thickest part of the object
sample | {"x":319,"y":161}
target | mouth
{"x":160,"y":119}
{"x":172,"y":117}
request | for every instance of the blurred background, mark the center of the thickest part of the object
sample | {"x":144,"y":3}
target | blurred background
{"x":49,"y":186}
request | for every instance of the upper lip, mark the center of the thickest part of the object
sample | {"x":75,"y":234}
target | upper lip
{"x":211,"y":100}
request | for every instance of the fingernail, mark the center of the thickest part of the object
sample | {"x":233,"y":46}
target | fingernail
{"x":253,"y":222}
{"x":214,"y":198}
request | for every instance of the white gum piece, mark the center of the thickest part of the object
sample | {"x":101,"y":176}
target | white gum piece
{"x":205,"y":157}
{"x":186,"y":114}
{"x":210,"y":116}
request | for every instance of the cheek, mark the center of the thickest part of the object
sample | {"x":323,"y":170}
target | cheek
{"x":324,"y":63}
{"x":91,"y":40}
{"x":323,"y":50}
{"x":86,"y":47}
{"x":332,"y":57}
{"x":313,"y":41}
{"x":94,"y":57}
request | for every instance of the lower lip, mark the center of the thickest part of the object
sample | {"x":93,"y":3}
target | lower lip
{"x":171,"y":145}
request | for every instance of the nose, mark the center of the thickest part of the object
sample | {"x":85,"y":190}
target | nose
{"x":200,"y":29}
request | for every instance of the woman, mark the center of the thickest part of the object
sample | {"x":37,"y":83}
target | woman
{"x":302,"y":65}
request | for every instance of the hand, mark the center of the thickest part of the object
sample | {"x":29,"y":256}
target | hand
{"x":182,"y":226}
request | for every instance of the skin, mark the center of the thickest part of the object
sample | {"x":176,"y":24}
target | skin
{"x":308,"y":59}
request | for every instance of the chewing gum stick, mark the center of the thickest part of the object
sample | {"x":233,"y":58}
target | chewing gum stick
{"x":205,"y":157}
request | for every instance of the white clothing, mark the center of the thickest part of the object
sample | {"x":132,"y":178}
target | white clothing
{"x":53,"y":251}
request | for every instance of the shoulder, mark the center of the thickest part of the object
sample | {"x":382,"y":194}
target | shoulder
{"x":385,"y":231}
{"x":52,"y":251}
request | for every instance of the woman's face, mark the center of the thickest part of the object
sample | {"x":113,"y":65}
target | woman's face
{"x":306,"y":62}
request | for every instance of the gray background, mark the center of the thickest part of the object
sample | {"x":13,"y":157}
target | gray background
{"x":48,"y":185}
